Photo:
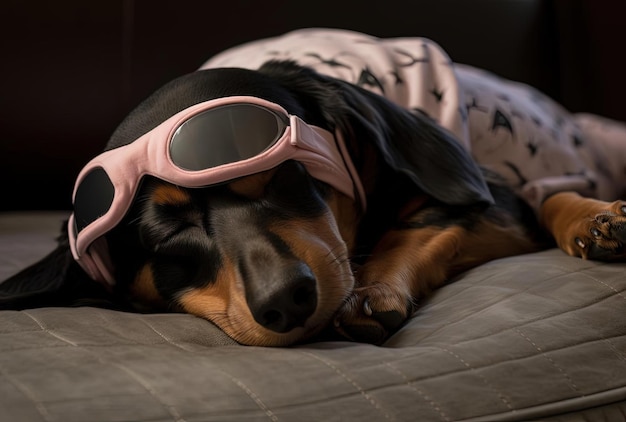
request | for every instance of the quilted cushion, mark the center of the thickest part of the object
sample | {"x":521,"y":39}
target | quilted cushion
{"x":534,"y":336}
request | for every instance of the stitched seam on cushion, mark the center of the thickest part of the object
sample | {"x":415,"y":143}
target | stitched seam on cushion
{"x":360,"y":389}
{"x":583,"y":273}
{"x":105,"y":319}
{"x":170,"y":408}
{"x":504,"y":361}
{"x":539,"y":412}
{"x":41,"y":408}
{"x":540,"y":318}
{"x":411,"y":384}
{"x":620,"y":355}
{"x":253,"y":396}
{"x":46,"y":330}
{"x":617,"y":292}
{"x":547,"y":317}
{"x":552,"y":362}
{"x":471,"y":286}
{"x":500,"y":395}
{"x":164,"y":337}
{"x":496,"y":265}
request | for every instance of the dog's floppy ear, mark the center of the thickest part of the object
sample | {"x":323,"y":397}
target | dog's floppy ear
{"x":411,"y":144}
{"x":55,"y":280}
{"x":416,"y":146}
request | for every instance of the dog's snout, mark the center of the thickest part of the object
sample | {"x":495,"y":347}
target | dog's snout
{"x":286,"y":303}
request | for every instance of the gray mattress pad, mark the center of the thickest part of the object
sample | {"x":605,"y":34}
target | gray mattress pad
{"x":538,"y":336}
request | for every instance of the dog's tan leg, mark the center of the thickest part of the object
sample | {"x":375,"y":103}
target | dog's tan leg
{"x":408,"y":263}
{"x":586,"y":227}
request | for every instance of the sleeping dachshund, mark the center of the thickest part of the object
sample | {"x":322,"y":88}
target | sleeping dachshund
{"x":327,"y":180}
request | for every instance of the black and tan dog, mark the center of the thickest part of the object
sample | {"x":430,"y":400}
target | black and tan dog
{"x":276,"y":257}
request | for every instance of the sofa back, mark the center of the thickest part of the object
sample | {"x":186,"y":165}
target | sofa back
{"x":73,"y":69}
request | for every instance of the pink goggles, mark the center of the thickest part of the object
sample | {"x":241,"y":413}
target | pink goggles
{"x":203,"y":145}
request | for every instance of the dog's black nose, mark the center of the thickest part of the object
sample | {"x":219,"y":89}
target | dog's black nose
{"x":286,"y":303}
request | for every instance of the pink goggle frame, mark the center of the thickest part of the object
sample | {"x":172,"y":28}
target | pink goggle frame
{"x":106,"y":186}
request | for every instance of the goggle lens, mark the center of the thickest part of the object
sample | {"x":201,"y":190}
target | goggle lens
{"x":218,"y":136}
{"x":223,"y":135}
{"x":94,"y":197}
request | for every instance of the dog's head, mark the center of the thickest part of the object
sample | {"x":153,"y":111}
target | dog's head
{"x":264,"y":257}
{"x":268,"y":256}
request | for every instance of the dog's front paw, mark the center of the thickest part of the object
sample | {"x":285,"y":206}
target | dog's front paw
{"x":603,"y":237}
{"x":372,"y":313}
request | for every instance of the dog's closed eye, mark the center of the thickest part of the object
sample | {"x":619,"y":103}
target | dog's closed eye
{"x":293,"y":190}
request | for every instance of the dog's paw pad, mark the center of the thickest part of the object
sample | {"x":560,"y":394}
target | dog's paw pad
{"x":371,"y":314}
{"x":605,"y":238}
{"x":391,"y":320}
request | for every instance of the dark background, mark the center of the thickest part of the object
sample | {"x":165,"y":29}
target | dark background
{"x":71,"y":69}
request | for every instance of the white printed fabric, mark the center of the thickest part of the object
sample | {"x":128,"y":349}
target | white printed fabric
{"x":511,"y":128}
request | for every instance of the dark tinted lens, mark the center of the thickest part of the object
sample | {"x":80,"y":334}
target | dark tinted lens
{"x":93,"y":199}
{"x":225,"y":135}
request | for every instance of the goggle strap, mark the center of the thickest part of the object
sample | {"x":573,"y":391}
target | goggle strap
{"x":306,"y":135}
{"x":354,"y":175}
{"x":99,"y":252}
